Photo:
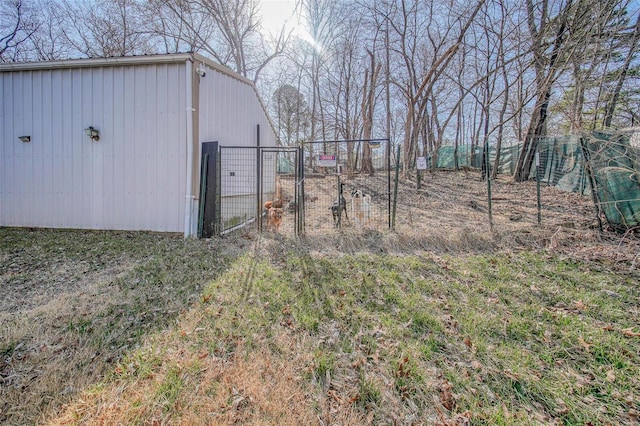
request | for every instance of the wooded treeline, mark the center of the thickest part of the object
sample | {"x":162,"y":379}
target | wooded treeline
{"x":451,"y":72}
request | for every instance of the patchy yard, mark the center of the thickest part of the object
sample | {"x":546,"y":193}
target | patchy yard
{"x":74,"y":302}
{"x":442,"y":322}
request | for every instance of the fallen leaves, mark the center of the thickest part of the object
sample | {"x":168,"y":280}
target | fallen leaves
{"x":561,"y":407}
{"x":579,"y":305}
{"x":446,"y":397}
{"x":358,"y":363}
{"x":404,"y":370}
{"x":628,"y":332}
{"x":460,"y":419}
{"x":611,"y":376}
{"x":467,"y":342}
{"x":584,"y":343}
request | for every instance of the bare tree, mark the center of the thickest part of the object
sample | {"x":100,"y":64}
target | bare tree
{"x":226,"y":30}
{"x":345,"y":90}
{"x":292,"y":113}
{"x":622,"y":74}
{"x":15,"y":29}
{"x":421,"y":77}
{"x":48,"y":42}
{"x":554,"y":32}
{"x":372,"y":72}
{"x":178,"y":27}
{"x":105,"y":28}
{"x":311,"y":54}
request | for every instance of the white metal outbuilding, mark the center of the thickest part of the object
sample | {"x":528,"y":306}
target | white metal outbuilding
{"x":151,"y":112}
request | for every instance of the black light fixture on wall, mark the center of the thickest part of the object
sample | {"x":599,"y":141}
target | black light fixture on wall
{"x":25,"y":138}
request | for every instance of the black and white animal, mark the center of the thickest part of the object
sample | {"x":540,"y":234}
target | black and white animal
{"x":360,"y":208}
{"x":338,"y":207}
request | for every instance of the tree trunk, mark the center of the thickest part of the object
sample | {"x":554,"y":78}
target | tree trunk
{"x":407,"y":147}
{"x":534,"y":133}
{"x":578,"y":100}
{"x":545,"y":78}
{"x":368,"y":107}
{"x":611,"y":105}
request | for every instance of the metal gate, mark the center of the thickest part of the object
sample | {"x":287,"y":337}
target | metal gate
{"x":281,"y":185}
{"x":347,"y":185}
{"x":244,"y":179}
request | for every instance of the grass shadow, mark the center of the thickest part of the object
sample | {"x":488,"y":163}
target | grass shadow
{"x":78,"y":301}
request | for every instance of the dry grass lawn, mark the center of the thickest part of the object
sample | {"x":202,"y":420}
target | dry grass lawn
{"x":448,"y":320}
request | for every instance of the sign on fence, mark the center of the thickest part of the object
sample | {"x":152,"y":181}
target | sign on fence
{"x":421,"y":163}
{"x":326,"y":160}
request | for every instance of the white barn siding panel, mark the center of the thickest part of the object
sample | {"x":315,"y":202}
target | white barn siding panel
{"x":109,"y":176}
{"x":96,"y":150}
{"x":52,"y":122}
{"x":36,"y":154}
{"x":64,"y":176}
{"x":133,"y":178}
{"x":7,"y":150}
{"x":167,"y":186}
{"x":7,"y":154}
{"x":174,"y":173}
{"x":230,"y":110}
{"x":139,"y":151}
{"x":4,"y":134}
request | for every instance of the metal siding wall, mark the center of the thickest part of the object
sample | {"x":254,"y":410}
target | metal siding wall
{"x":140,"y":167}
{"x":229,"y":112}
{"x":133,"y":178}
{"x":7,"y":150}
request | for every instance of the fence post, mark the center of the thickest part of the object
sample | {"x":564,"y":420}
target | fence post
{"x":218,"y":191}
{"x":203,"y":192}
{"x":300,"y":181}
{"x":487,"y":176}
{"x":395,"y":191}
{"x":388,"y":153}
{"x":538,"y":187}
{"x":592,"y":182}
{"x":258,"y":180}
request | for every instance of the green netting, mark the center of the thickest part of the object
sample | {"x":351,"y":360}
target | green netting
{"x":285,"y":165}
{"x":616,"y":175}
{"x":612,"y":160}
{"x":466,"y":158}
{"x":472,"y":157}
{"x":562,"y":164}
{"x":508,"y":158}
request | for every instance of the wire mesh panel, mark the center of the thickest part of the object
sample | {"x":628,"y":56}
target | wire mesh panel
{"x":562,"y":163}
{"x":613,"y":164}
{"x":346,"y":185}
{"x":259,"y":186}
{"x":280,"y":191}
{"x":605,"y":165}
{"x":238,"y":187}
